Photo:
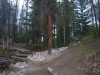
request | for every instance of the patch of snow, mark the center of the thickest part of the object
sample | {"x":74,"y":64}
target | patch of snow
{"x":41,"y":56}
{"x":20,"y":65}
{"x":37,"y":56}
{"x":12,"y":73}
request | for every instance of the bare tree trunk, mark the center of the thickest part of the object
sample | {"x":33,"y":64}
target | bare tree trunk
{"x":93,"y":8}
{"x":8,"y":28}
{"x":49,"y":33}
{"x":3,"y":42}
{"x":8,"y":38}
{"x":93,"y":27}
{"x":64,"y":36}
{"x":64,"y":18}
{"x":39,"y":38}
{"x":27,"y":15}
{"x":14,"y":23}
{"x":92,"y":16}
{"x":8,"y":35}
{"x":99,"y":12}
{"x":3,"y":6}
{"x":55,"y":35}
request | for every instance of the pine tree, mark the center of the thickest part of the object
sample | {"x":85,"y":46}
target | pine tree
{"x":66,"y":21}
{"x":82,"y":18}
{"x":59,"y":22}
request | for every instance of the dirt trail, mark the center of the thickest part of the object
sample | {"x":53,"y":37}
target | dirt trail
{"x":70,"y":62}
{"x":62,"y":65}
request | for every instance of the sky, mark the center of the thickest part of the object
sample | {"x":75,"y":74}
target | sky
{"x":21,"y":3}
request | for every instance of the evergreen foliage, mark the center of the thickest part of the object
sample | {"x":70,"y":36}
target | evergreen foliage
{"x":51,"y":23}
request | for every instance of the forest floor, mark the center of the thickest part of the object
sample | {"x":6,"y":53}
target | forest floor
{"x":82,"y":59}
{"x":74,"y":61}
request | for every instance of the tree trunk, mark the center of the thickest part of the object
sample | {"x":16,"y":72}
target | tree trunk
{"x":55,"y":35}
{"x":8,"y":32}
{"x":3,"y":6}
{"x":49,"y":33}
{"x":14,"y":23}
{"x":93,"y":8}
{"x":92,"y":22}
{"x":26,"y":15}
{"x":64,"y":35}
{"x":8,"y":35}
{"x":92,"y":16}
{"x":7,"y":42}
{"x":99,"y":12}
{"x":3,"y":42}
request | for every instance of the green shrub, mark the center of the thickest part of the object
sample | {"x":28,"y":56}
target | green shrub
{"x":35,"y":46}
{"x":4,"y":52}
{"x":87,"y":39}
{"x":89,"y":53}
{"x":97,"y":33}
{"x":0,"y":42}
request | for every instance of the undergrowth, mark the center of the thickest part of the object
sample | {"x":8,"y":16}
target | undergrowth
{"x":4,"y":52}
{"x":0,"y":42}
{"x":89,"y":53}
{"x":79,"y":45}
{"x":35,"y":46}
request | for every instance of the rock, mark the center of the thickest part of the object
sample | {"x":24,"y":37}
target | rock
{"x":16,"y":58}
{"x":74,"y":39}
{"x":1,"y":73}
{"x":98,"y":66}
{"x":51,"y":71}
{"x":98,"y":70}
{"x":32,"y":62}
{"x":4,"y":63}
{"x":94,"y":70}
{"x":24,"y":51}
{"x":18,"y":66}
{"x":15,"y":69}
{"x":95,"y":65}
{"x":21,"y":55}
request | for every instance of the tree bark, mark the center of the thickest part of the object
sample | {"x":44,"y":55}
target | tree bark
{"x":3,"y":42}
{"x":55,"y":35}
{"x":64,"y":35}
{"x":49,"y":33}
{"x":93,"y":8}
{"x":8,"y":30}
{"x":14,"y":23}
{"x":99,"y":12}
{"x":3,"y":6}
{"x":93,"y":27}
{"x":27,"y":15}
